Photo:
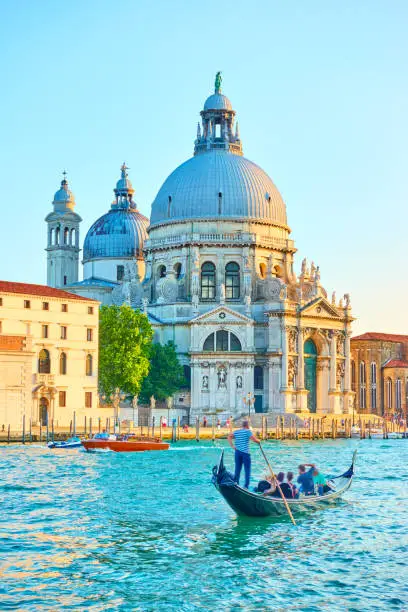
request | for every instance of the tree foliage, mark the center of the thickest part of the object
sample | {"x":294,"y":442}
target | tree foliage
{"x":166,"y":374}
{"x":125,"y":338}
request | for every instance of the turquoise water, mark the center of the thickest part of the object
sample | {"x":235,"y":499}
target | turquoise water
{"x":148,"y":531}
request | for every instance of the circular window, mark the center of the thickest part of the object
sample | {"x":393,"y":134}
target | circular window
{"x":222,"y":315}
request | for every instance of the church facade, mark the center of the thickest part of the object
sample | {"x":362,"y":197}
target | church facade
{"x":214,"y":270}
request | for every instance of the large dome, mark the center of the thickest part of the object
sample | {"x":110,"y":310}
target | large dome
{"x":221,"y":185}
{"x":119,"y":234}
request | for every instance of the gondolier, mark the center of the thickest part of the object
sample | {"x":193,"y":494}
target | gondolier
{"x":239,"y":440}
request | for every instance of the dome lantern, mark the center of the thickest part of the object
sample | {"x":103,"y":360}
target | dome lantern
{"x":217,"y":124}
{"x":63,"y":198}
{"x":124,"y":190}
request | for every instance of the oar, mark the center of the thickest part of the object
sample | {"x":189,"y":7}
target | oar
{"x":278,"y":485}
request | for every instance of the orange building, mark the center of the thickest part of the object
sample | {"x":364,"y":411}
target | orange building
{"x":379,"y":373}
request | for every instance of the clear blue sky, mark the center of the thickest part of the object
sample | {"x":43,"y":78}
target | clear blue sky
{"x":321,"y":93}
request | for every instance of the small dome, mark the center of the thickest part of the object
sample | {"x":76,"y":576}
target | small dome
{"x":219,"y":185}
{"x":64,"y":198}
{"x":217,"y":101}
{"x":120,"y":234}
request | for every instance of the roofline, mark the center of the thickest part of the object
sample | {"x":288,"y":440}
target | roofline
{"x":67,"y":296}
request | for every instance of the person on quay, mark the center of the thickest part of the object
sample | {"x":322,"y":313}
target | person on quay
{"x":305,"y":478}
{"x":239,"y":441}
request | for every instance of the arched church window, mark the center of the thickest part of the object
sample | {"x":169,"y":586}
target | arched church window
{"x":120,"y":273}
{"x":89,"y":365}
{"x":277,"y":271}
{"x":222,"y":341}
{"x":232,"y":281}
{"x":72,"y":242}
{"x":51,"y":237}
{"x":262,"y":270}
{"x":258,"y":377}
{"x":208,"y":281}
{"x":66,"y":235}
{"x":373,"y":386}
{"x":209,"y":343}
{"x":177,"y":270}
{"x":57,"y":235}
{"x":44,"y":362}
{"x":162,"y":271}
{"x":362,"y":385}
{"x":353,"y":376}
{"x":398,"y":395}
{"x":63,"y":363}
{"x":388,"y":394}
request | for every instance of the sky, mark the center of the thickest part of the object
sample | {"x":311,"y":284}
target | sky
{"x":320,"y":89}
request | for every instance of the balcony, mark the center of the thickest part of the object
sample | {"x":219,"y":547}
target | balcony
{"x":235,"y":238}
{"x":47,"y":380}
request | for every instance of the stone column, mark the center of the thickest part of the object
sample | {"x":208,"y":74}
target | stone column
{"x":284,"y":380}
{"x":333,"y":360}
{"x":301,"y":361}
{"x":347,"y":363}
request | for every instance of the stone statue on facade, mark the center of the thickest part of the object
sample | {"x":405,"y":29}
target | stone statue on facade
{"x":195,"y":302}
{"x":218,"y":82}
{"x":333,"y":299}
{"x":205,"y":382}
{"x":222,"y":293}
{"x":247,"y":300}
{"x":239,"y":382}
{"x":347,"y":300}
{"x":222,"y":377}
{"x":292,"y":371}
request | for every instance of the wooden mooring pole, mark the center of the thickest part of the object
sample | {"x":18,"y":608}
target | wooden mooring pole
{"x":197,"y":429}
{"x":23,"y":436}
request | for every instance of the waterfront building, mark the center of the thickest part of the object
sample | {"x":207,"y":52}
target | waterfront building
{"x":215,"y":273}
{"x":48,"y":355}
{"x":379,"y":373}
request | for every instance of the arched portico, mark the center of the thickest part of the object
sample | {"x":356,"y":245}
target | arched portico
{"x":43,"y":403}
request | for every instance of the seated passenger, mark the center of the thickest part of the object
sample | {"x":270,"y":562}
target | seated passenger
{"x":283,"y":486}
{"x":305,"y":479}
{"x":293,"y":487}
{"x":320,"y":482}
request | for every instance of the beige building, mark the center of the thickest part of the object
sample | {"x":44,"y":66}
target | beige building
{"x":48,"y":356}
{"x":379,"y":373}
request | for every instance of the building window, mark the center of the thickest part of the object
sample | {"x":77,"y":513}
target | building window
{"x":232,"y":282}
{"x":1,"y":301}
{"x":44,"y":362}
{"x":373,"y":386}
{"x":89,"y":365}
{"x":162,"y":271}
{"x":187,"y":376}
{"x":177,"y":270}
{"x":66,"y":235}
{"x":88,"y":399}
{"x":63,"y":363}
{"x":1,"y":327}
{"x":120,"y":273}
{"x":398,"y":395}
{"x":63,"y":332}
{"x":65,"y":280}
{"x":90,"y":310}
{"x":89,"y":334}
{"x":64,"y":307}
{"x":388,"y":394}
{"x":262,"y":270}
{"x":258,"y":377}
{"x":27,"y":304}
{"x":208,"y":281}
{"x":45,"y":331}
{"x":45,"y":305}
{"x":222,"y":341}
{"x":353,"y":376}
{"x":362,"y":385}
{"x":62,"y":399}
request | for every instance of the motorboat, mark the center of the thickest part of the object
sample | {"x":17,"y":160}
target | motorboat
{"x":248,"y":503}
{"x":124,"y":444}
{"x":70,"y":443}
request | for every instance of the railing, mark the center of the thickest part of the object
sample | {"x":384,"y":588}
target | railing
{"x":225,"y":238}
{"x":44,"y":379}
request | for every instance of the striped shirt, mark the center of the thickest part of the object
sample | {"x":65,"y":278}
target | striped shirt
{"x":242,"y":437}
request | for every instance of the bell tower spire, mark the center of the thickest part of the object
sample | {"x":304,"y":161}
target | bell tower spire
{"x":218,"y":120}
{"x":63,"y":238}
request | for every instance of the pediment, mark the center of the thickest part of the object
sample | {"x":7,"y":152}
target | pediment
{"x":221,"y":314}
{"x":320,"y":307}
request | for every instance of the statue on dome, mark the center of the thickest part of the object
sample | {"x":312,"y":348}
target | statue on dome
{"x":218,"y":82}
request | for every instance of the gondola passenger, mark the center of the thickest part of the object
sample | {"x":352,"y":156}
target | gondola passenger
{"x":320,"y":482}
{"x":293,"y":487}
{"x":305,"y":478}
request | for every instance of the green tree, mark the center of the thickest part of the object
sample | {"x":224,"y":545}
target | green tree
{"x":166,"y":374}
{"x":125,"y":338}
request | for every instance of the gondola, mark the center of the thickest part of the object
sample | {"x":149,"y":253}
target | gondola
{"x":248,"y":503}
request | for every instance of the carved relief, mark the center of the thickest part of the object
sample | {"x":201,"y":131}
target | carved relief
{"x":292,"y":337}
{"x":166,"y":289}
{"x":340,"y":368}
{"x":273,"y":288}
{"x":340,"y":344}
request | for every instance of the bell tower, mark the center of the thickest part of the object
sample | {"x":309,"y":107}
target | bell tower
{"x":62,"y":239}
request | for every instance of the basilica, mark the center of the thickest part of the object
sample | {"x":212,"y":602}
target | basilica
{"x":214,"y":270}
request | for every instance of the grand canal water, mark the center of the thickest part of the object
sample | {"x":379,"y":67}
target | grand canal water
{"x":148,"y":531}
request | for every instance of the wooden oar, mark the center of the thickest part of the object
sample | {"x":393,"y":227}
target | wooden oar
{"x":278,"y":485}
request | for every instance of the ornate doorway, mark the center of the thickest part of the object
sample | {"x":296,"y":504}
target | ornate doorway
{"x":310,"y":354}
{"x":44,"y":405}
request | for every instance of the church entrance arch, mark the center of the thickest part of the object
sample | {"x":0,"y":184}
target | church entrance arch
{"x":44,"y":405}
{"x":310,"y":356}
